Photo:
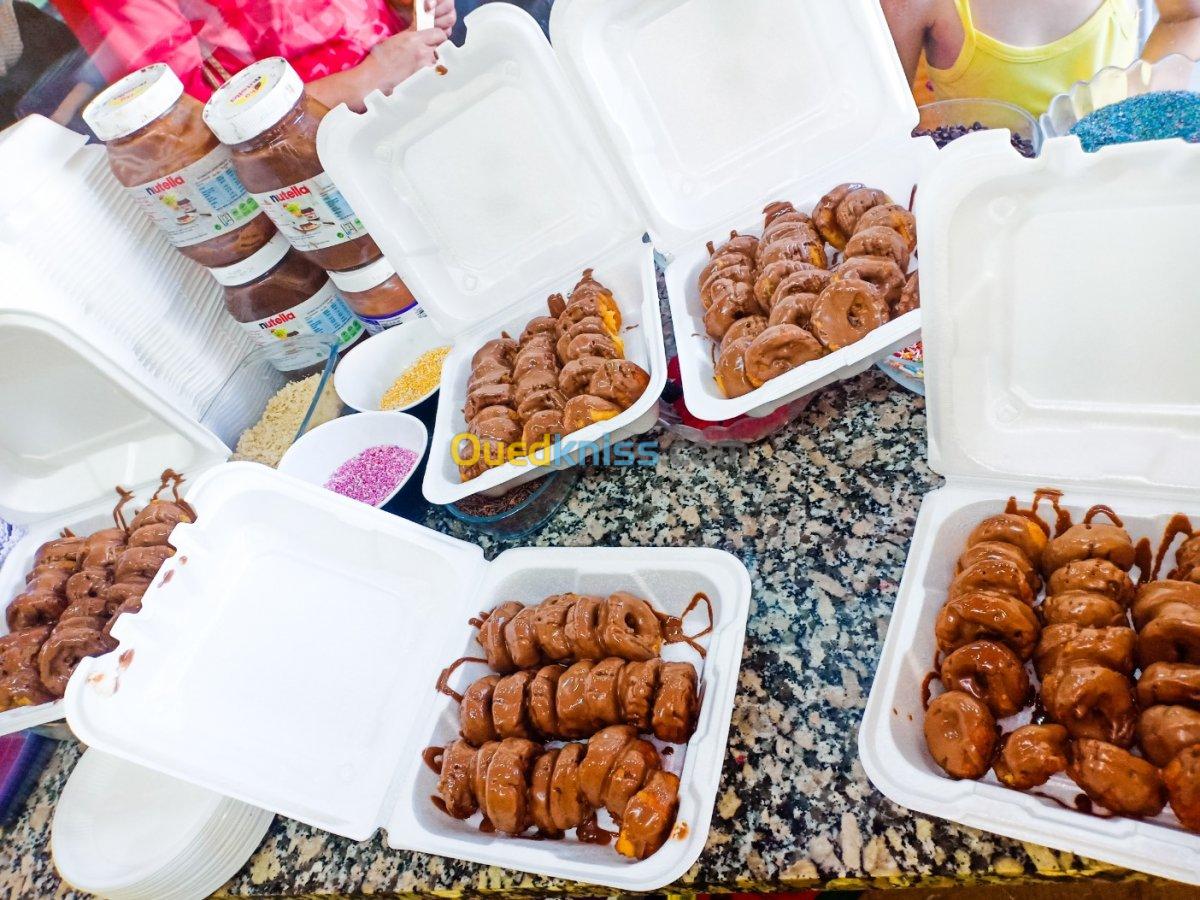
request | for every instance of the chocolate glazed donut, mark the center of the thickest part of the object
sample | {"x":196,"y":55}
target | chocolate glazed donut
{"x":846,"y":312}
{"x":975,"y":616}
{"x":569,"y":627}
{"x":1032,"y":754}
{"x":1116,"y":779}
{"x":1091,"y":701}
{"x":989,"y":672}
{"x":518,"y":784}
{"x":556,"y":702}
{"x":1182,"y":780}
{"x":961,"y":733}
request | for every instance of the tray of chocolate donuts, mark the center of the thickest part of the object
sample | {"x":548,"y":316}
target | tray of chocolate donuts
{"x":490,"y":191}
{"x":84,"y":473}
{"x":746,"y":177}
{"x":560,"y":711}
{"x":1039,"y":676}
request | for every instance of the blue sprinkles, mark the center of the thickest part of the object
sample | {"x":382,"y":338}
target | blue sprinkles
{"x":1149,"y":117}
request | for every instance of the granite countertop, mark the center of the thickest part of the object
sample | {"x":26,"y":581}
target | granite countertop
{"x":822,"y":515}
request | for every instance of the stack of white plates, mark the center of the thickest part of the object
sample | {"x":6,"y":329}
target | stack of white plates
{"x":127,"y":833}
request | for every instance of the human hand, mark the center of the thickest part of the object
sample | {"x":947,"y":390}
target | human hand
{"x":443,"y":12}
{"x":395,"y":58}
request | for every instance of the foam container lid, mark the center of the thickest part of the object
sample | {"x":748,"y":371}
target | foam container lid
{"x":1058,"y":312}
{"x":489,"y":188}
{"x":1061,"y":314}
{"x":715,"y":109}
{"x":287,"y":655}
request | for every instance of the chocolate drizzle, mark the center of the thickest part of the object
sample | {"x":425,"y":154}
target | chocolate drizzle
{"x":590,"y":832}
{"x":1012,"y":508}
{"x":443,"y":686}
{"x":1141,"y":559}
{"x":118,"y":514}
{"x":673,"y":625}
{"x":1179,"y":524}
{"x":1082,"y":804}
{"x":1101,"y":509}
{"x":926,"y":683}
{"x":432,"y":757}
{"x":1062,"y":517}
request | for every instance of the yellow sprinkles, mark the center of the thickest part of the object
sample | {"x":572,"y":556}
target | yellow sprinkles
{"x":416,"y":381}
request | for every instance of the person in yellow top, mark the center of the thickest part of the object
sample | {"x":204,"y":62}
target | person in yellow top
{"x":1028,"y":51}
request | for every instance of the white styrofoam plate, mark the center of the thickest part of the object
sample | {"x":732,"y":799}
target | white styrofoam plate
{"x":287,"y":657}
{"x":891,"y":740}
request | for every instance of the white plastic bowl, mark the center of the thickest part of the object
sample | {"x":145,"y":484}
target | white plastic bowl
{"x":317,"y":455}
{"x":367,"y":371}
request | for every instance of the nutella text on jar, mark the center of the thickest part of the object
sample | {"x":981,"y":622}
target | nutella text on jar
{"x":175,"y":169}
{"x":270,"y":124}
{"x":277,"y":295}
{"x":377,"y":295}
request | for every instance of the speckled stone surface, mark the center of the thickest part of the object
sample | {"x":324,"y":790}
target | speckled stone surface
{"x":822,"y":515}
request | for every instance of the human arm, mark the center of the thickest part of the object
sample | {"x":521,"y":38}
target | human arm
{"x":909,"y":22}
{"x":1177,"y":31}
{"x":390,"y":61}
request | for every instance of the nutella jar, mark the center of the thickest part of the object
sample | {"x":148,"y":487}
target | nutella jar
{"x":175,"y":169}
{"x":277,"y":294}
{"x":377,"y":295}
{"x":270,"y":125}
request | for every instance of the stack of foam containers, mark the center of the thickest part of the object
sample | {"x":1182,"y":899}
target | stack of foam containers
{"x":114,"y":346}
{"x":74,"y":247}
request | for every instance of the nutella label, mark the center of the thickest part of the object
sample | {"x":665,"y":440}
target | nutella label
{"x":312,"y":214}
{"x":325,"y":312}
{"x":376,"y":324}
{"x":198,"y":202}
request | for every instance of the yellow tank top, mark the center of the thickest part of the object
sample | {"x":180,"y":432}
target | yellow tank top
{"x":1032,"y":76}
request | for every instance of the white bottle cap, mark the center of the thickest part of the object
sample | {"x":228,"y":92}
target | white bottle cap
{"x":253,"y":100}
{"x":256,"y":264}
{"x":133,"y":102}
{"x":365,"y":277}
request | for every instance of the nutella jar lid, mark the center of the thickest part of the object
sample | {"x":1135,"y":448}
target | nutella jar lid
{"x":253,"y":100}
{"x":133,"y":102}
{"x":256,"y":264}
{"x":365,"y":277}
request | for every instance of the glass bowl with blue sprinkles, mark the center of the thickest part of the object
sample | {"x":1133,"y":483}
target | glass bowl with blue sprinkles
{"x":1144,"y":102}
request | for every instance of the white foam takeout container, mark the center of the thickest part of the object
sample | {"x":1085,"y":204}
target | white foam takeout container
{"x":97,"y":388}
{"x":287,"y":658}
{"x":489,"y":189}
{"x":1060,"y":315}
{"x":715,"y":109}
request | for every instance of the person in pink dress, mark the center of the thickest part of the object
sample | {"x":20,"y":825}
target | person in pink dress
{"x":343,"y":49}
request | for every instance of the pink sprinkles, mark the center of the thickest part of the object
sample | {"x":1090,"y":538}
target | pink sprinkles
{"x":373,"y":474}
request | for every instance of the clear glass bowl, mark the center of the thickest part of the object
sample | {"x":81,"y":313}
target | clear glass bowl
{"x":1114,"y":84}
{"x":531,"y":513}
{"x":989,"y":113}
{"x":243,"y":397}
